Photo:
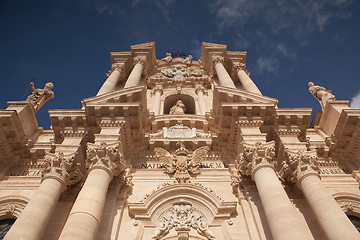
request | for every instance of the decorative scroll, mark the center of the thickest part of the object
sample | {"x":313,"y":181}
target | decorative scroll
{"x":182,"y":217}
{"x":181,"y":164}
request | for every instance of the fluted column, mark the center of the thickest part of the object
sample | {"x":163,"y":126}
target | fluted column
{"x":104,"y":161}
{"x":223,"y":76}
{"x":280,"y":213}
{"x":329,"y":214}
{"x":158,"y":90}
{"x":200,"y":92}
{"x":111,"y":82}
{"x":135,"y":75}
{"x":245,"y":80}
{"x":33,"y":220}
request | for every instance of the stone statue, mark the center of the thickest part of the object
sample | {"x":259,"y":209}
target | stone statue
{"x":40,"y":96}
{"x":178,"y":108}
{"x":188,"y":59}
{"x":168,"y":57}
{"x":321,"y":94}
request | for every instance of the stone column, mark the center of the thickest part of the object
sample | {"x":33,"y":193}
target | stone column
{"x":245,"y":80}
{"x":158,"y":90}
{"x":135,"y":75}
{"x":111,"y":82}
{"x":104,"y":161}
{"x":33,"y":220}
{"x":329,"y":214}
{"x":199,"y":90}
{"x":280,"y":213}
{"x":223,"y":76}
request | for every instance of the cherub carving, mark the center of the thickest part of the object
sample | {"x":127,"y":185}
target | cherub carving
{"x":181,"y":164}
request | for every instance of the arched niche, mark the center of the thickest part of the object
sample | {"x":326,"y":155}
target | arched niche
{"x":349,"y":203}
{"x":203,"y":199}
{"x":187,"y":100}
{"x":11,"y":206}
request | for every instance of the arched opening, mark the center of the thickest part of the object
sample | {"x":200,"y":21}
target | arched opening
{"x":355,"y":221}
{"x":187,"y":100}
{"x":5,"y":226}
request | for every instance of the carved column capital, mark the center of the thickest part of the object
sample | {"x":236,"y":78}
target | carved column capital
{"x":62,"y":168}
{"x":239,"y":66}
{"x":115,"y":67}
{"x":158,"y":88}
{"x":217,"y":59}
{"x":255,"y":157}
{"x":105,"y":156}
{"x":303,"y":163}
{"x":199,"y":88}
{"x":140,"y":59}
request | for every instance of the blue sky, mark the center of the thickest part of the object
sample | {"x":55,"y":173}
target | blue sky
{"x":289,"y":43}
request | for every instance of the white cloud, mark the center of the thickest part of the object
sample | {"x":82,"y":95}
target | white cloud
{"x":267,"y":64}
{"x":285,"y":51}
{"x":355,"y":101}
{"x":162,"y":5}
{"x":111,"y":7}
{"x":195,"y":48}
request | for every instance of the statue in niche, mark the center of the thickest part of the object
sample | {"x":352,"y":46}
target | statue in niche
{"x":40,"y":96}
{"x":321,"y":94}
{"x":178,"y":108}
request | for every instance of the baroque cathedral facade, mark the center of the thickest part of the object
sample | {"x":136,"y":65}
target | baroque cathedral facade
{"x":175,"y":148}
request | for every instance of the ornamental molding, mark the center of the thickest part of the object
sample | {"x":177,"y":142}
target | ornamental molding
{"x":202,"y":198}
{"x":256,"y":156}
{"x":62,"y":167}
{"x":182,"y":163}
{"x":105,"y":156}
{"x":12,"y":205}
{"x":111,"y":123}
{"x":182,"y":217}
{"x":349,"y":202}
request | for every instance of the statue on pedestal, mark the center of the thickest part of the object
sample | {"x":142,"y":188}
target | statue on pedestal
{"x":40,"y":96}
{"x":178,"y":108}
{"x":321,"y":94}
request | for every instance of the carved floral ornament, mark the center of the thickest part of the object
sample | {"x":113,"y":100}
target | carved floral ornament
{"x":179,"y":72}
{"x":298,"y":165}
{"x":255,"y":157}
{"x":182,"y":217}
{"x":105,"y":156}
{"x":62,"y":167}
{"x":182,"y":163}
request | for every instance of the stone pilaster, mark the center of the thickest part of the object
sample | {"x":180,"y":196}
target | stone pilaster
{"x":135,"y":75}
{"x":223,"y":76}
{"x":111,"y":82}
{"x":330,"y":216}
{"x":245,"y":80}
{"x":258,"y":161}
{"x":157,"y":91}
{"x":103,"y":162}
{"x":60,"y":171}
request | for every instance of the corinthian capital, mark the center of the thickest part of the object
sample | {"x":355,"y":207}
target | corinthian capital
{"x":217,"y":59}
{"x":239,"y":66}
{"x":255,"y":157}
{"x":105,"y":156}
{"x":62,"y":168}
{"x":139,"y":59}
{"x":306,"y":164}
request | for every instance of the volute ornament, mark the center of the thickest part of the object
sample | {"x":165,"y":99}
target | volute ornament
{"x":181,"y":164}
